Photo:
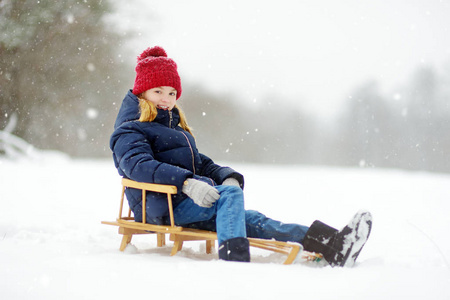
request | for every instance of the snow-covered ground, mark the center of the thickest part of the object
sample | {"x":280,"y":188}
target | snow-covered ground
{"x":52,"y":245}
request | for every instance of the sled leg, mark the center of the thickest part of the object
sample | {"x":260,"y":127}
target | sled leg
{"x":177,"y":244}
{"x":126,"y":239}
{"x":292,"y":255}
{"x":127,"y":235}
{"x":161,"y":239}
{"x":209,"y":246}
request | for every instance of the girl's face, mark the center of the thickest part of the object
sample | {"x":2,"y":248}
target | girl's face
{"x":163,"y":97}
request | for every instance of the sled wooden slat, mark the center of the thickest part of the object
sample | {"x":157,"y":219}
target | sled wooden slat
{"x":128,"y":227}
{"x":290,"y":249}
{"x":160,"y":188}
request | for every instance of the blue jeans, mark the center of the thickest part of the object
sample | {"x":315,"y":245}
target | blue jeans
{"x":229,"y":219}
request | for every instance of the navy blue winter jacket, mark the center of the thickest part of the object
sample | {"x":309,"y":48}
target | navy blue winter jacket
{"x":159,"y":152}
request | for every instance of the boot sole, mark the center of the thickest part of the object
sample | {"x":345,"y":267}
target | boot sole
{"x":361,"y":226}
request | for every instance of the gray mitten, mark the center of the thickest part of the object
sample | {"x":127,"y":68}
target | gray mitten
{"x":231,"y":181}
{"x":200,"y":192}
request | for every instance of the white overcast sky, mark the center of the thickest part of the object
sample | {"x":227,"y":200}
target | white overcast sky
{"x":313,"y":52}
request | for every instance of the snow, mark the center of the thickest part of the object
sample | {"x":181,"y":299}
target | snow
{"x":52,"y":245}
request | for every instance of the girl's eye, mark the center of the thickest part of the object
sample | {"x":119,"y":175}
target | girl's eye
{"x":173,"y":94}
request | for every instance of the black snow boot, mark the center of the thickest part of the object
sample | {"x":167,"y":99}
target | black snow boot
{"x":339,"y":248}
{"x":235,"y":249}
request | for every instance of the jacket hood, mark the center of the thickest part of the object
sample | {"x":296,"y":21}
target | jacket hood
{"x":129,"y":110}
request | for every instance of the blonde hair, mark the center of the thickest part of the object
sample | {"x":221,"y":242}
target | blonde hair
{"x":148,"y":114}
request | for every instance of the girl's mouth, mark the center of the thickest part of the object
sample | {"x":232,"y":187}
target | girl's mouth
{"x":163,"y":107}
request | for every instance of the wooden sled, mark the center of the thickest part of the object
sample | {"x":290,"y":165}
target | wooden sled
{"x":128,"y":227}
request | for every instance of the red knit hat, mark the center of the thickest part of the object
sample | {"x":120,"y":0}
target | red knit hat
{"x":155,"y":69}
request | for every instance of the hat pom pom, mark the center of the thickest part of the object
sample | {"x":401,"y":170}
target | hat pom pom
{"x":152,"y":52}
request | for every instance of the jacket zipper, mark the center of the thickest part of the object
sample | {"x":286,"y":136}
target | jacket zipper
{"x":170,"y":119}
{"x":187,"y":139}
{"x":192,"y":151}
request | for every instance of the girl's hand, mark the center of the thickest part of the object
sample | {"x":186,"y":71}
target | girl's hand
{"x":200,"y":192}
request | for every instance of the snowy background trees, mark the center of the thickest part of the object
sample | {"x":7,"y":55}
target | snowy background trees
{"x":60,"y":71}
{"x":65,"y":67}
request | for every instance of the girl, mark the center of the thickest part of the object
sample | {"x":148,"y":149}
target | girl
{"x":153,"y":143}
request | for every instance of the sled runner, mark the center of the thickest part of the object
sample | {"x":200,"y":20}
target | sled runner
{"x":129,"y":227}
